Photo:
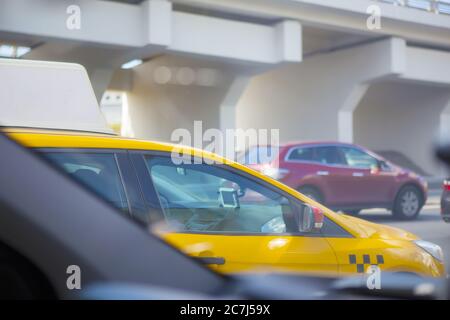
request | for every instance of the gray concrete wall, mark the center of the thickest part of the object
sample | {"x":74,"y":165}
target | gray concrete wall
{"x":403,"y":117}
{"x":297,"y":99}
{"x":155,"y":108}
{"x":304,"y":100}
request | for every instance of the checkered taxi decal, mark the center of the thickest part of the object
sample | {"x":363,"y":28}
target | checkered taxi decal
{"x":365,"y":261}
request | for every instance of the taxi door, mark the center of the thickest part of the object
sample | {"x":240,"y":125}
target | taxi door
{"x":228,"y":219}
{"x":240,"y":253}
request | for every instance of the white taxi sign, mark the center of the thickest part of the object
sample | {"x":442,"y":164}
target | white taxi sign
{"x":48,"y":95}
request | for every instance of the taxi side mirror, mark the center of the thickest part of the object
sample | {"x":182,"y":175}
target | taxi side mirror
{"x":309,"y":218}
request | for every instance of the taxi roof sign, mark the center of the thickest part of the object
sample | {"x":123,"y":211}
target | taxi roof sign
{"x":48,"y":95}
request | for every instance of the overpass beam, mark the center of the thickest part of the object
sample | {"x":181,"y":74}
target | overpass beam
{"x":150,"y":28}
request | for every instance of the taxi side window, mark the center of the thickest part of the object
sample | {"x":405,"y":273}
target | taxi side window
{"x":98,"y":172}
{"x":206,"y":198}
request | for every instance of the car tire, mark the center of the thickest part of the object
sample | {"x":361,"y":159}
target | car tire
{"x":408,"y":203}
{"x":312,"y":193}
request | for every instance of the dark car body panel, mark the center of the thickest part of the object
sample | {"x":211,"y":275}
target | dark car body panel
{"x":54,"y":223}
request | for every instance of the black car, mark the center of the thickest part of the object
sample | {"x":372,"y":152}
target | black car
{"x":445,"y":200}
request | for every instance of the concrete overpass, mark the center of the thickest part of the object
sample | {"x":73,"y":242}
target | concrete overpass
{"x":311,"y":68}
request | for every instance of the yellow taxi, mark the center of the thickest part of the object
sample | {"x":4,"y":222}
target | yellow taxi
{"x":230,"y":217}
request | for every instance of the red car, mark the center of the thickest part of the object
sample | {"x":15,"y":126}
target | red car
{"x":342,"y":176}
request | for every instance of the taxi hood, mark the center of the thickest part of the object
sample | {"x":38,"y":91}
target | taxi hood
{"x":366,"y":229}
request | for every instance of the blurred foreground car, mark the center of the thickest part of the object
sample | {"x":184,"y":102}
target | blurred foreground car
{"x":226,"y":215}
{"x":342,"y":176}
{"x":445,"y":200}
{"x":49,"y":223}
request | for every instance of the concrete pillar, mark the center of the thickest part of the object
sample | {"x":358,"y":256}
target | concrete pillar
{"x":314,"y":100}
{"x":100,"y":79}
{"x":171,"y":92}
{"x":345,"y":115}
{"x":231,"y":99}
{"x":444,"y":126}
